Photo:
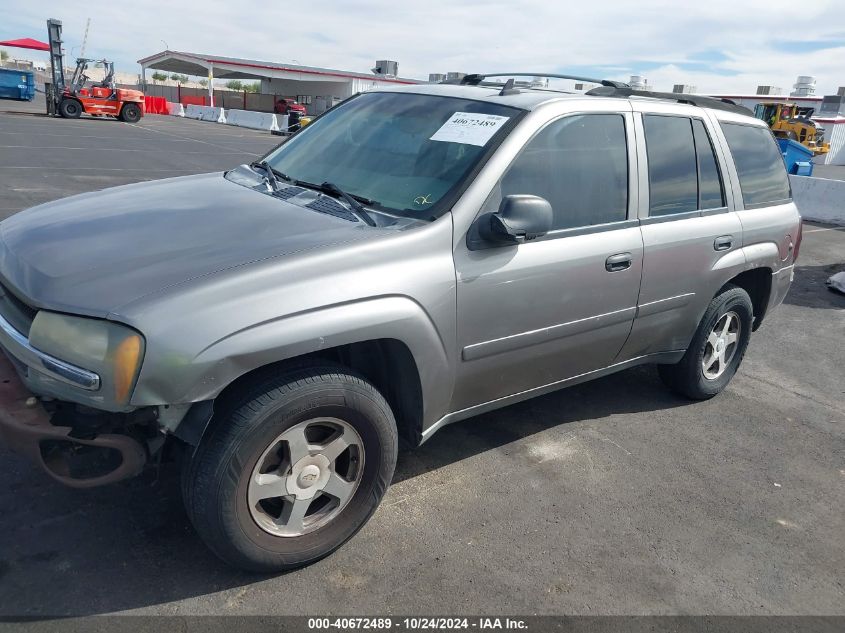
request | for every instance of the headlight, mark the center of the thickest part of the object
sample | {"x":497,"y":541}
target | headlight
{"x":111,"y":350}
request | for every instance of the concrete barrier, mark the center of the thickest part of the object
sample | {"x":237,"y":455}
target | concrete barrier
{"x":175,"y":109}
{"x":253,"y":120}
{"x":819,"y":199}
{"x":215,"y":114}
{"x":205,"y":113}
{"x":194,"y":111}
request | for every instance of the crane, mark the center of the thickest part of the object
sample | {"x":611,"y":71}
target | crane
{"x":85,"y":38}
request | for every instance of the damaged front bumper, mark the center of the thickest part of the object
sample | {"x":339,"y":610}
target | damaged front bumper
{"x":27,"y":429}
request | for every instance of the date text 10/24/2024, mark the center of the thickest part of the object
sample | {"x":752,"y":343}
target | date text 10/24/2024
{"x":417,"y":624}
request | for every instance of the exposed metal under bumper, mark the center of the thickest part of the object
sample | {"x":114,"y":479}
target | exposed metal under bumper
{"x":27,"y":431}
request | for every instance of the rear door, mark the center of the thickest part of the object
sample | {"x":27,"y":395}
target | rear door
{"x":692,"y":235}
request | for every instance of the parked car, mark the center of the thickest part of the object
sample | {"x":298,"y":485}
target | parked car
{"x":295,"y":111}
{"x":289,"y":106}
{"x":416,"y":256}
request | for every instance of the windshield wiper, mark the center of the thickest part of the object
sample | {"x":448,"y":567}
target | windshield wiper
{"x":273,"y":175}
{"x":354,"y":201}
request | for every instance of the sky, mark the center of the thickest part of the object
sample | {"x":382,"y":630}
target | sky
{"x":720,"y":46}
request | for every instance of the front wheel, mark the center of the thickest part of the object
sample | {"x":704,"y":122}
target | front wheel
{"x":717,"y":348}
{"x":292,"y":468}
{"x":130,"y":113}
{"x":70,"y":109}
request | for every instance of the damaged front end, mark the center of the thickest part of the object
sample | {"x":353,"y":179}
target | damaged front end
{"x":75,"y":445}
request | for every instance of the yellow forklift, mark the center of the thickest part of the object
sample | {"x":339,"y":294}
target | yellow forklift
{"x":789,"y":120}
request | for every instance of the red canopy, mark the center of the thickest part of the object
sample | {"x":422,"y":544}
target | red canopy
{"x":27,"y":42}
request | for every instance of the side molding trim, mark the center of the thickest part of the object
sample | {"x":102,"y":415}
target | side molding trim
{"x":546,"y":334}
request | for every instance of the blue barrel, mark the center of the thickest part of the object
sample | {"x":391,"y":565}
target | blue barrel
{"x":17,"y":84}
{"x":798,"y":158}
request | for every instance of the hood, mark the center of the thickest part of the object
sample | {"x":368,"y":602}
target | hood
{"x":92,"y":253}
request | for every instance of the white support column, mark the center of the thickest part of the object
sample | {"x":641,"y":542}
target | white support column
{"x":211,"y":85}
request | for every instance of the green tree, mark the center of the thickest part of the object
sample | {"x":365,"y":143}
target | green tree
{"x":202,"y":82}
{"x":234,"y":84}
{"x":4,"y":56}
{"x":254,"y":87}
{"x":157,"y":76}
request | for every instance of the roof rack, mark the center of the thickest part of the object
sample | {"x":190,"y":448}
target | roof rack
{"x":696,"y":100}
{"x":476,"y":79}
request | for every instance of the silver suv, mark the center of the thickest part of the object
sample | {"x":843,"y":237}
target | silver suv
{"x":414,"y":257}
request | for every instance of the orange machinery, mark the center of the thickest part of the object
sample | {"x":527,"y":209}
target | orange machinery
{"x":71,"y":99}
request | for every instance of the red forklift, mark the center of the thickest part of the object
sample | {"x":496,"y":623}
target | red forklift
{"x":102,"y":98}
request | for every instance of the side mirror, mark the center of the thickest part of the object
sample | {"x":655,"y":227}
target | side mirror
{"x":519,"y":218}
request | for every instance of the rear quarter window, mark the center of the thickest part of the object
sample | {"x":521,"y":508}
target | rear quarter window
{"x":762,"y":174}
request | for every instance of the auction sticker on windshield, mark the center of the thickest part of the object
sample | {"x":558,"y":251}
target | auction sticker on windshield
{"x":469,"y":128}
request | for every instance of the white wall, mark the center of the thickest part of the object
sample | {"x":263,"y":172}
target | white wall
{"x":834,"y":133}
{"x":819,"y":199}
{"x":290,"y":88}
{"x":330,"y":91}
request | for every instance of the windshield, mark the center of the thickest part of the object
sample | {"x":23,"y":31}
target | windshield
{"x":405,"y":152}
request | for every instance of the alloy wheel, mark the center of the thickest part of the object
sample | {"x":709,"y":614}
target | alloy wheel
{"x":721,"y":345}
{"x":306,"y":477}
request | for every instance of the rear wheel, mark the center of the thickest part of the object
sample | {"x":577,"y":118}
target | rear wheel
{"x":130,"y":113}
{"x":717,"y":348}
{"x":293,"y":469}
{"x":70,"y":109}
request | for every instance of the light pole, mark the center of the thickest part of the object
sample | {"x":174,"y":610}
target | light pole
{"x":166,"y":47}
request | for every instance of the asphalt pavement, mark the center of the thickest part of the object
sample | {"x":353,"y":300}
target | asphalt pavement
{"x":612,"y":497}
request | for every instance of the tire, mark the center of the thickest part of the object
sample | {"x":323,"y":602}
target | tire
{"x":70,"y":108}
{"x":130,"y":113}
{"x":689,"y":377}
{"x":221,"y":480}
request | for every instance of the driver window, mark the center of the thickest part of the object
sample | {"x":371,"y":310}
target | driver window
{"x":580,"y":165}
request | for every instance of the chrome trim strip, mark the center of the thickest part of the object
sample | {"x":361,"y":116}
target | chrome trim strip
{"x":664,"y":305}
{"x":18,"y":346}
{"x":546,"y":334}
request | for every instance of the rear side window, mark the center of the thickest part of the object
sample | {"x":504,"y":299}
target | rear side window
{"x":762,"y":174}
{"x":580,"y":165}
{"x":672,"y":168}
{"x":710,"y":191}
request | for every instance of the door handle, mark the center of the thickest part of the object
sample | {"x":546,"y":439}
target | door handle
{"x":618,"y":262}
{"x":723,"y":243}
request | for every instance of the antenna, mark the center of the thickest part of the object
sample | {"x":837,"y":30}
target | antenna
{"x":85,"y":38}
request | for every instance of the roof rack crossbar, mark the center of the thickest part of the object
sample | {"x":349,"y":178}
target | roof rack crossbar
{"x":696,"y":100}
{"x":475,"y":79}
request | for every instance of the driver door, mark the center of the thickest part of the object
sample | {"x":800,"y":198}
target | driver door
{"x":534,"y":314}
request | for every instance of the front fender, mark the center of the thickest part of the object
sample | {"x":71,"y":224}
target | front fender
{"x":387,"y":317}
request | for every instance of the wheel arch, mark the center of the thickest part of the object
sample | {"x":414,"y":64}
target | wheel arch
{"x":391,"y":341}
{"x":386,"y":363}
{"x":757,"y":282}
